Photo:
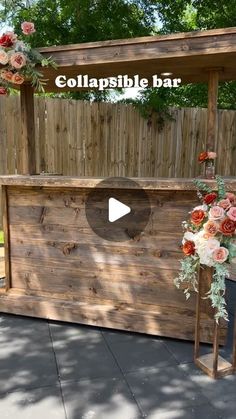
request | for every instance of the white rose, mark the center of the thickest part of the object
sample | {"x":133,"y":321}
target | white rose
{"x":205,"y":258}
{"x":201,"y":207}
{"x":3,"y":57}
{"x":188,"y":236}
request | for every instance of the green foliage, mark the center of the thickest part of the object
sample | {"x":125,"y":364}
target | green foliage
{"x":217,"y":291}
{"x":221,"y":187}
{"x":188,"y":275}
{"x":188,"y":15}
{"x":201,"y":186}
{"x":60,"y":22}
{"x":1,"y":237}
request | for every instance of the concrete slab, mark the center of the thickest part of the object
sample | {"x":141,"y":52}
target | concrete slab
{"x":82,"y":352}
{"x":26,"y":355}
{"x":223,"y":390}
{"x":34,"y":404}
{"x":115,"y":336}
{"x":158,"y":391}
{"x":99,"y":399}
{"x":141,"y":355}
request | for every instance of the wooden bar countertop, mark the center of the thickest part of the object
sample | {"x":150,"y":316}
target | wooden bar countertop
{"x":91,"y":182}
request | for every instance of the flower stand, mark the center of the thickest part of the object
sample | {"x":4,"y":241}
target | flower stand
{"x":212,"y":364}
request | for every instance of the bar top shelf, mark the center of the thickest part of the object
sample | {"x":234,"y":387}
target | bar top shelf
{"x":91,"y":182}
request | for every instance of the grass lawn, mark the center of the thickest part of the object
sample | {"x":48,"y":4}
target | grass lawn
{"x":1,"y":237}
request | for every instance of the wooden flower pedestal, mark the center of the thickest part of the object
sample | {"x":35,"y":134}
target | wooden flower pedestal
{"x":213,"y":363}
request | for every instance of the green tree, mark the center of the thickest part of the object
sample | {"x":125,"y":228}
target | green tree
{"x":60,"y":22}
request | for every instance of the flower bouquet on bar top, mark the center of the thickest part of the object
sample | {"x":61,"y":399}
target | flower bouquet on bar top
{"x":208,"y":159}
{"x":209,"y":241}
{"x":18,"y":61}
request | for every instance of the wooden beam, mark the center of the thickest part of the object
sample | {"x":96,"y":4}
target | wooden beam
{"x":212,"y":120}
{"x":27,"y":141}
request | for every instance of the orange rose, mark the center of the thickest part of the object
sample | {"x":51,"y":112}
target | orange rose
{"x":211,"y":228}
{"x":188,"y":248}
{"x":197,"y":216}
{"x":203,"y":156}
{"x":6,"y":75}
{"x":17,"y":79}
{"x":227,"y":227}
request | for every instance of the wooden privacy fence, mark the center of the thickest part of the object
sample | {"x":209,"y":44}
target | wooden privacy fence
{"x":105,"y":139}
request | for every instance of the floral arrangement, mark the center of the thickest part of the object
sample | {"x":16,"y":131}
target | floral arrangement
{"x":207,"y":156}
{"x":209,"y":241}
{"x":19,"y":61}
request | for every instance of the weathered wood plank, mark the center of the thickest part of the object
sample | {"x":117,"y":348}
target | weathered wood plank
{"x":7,"y":244}
{"x":27,"y":149}
{"x":176,"y":184}
{"x":157,"y":321}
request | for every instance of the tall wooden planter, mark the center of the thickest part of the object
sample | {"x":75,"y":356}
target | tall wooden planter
{"x":212,"y":364}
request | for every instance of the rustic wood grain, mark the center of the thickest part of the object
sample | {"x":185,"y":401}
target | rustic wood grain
{"x":57,"y":257}
{"x":212,"y":123}
{"x":27,"y":140}
{"x":156,"y":321}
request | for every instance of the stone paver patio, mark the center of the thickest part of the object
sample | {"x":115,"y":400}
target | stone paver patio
{"x":56,"y":370}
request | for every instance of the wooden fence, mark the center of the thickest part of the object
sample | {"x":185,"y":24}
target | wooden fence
{"x":105,"y":139}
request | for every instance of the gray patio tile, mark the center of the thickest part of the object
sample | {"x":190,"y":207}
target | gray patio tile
{"x":82,"y":352}
{"x":196,"y":412}
{"x":183,"y":350}
{"x":26,"y":356}
{"x":143,"y":354}
{"x":163,"y":390}
{"x":99,"y":399}
{"x":226,"y":410}
{"x":115,"y":336}
{"x":223,"y":389}
{"x":37,"y":404}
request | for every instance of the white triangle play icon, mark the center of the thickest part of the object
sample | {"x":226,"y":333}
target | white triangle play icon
{"x":116,"y":210}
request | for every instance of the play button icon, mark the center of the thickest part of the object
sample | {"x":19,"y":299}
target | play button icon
{"x":118,"y":209}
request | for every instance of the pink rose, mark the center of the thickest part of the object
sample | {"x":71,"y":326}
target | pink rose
{"x":231,"y":196}
{"x":232,"y":213}
{"x":3,"y":57}
{"x":3,"y":91}
{"x":27,"y":28}
{"x":18,"y":60}
{"x":212,"y":155}
{"x":216,"y":213}
{"x":224,"y":203}
{"x":220,"y":255}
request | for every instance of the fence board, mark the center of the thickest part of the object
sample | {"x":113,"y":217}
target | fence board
{"x":104,"y":139}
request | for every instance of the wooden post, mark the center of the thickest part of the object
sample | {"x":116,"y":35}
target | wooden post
{"x":27,"y":142}
{"x":212,"y":122}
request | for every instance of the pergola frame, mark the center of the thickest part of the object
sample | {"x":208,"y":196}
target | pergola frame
{"x":201,"y":56}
